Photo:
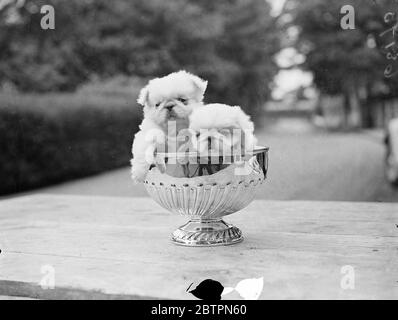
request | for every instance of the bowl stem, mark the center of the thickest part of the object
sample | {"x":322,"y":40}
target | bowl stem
{"x":206,"y":232}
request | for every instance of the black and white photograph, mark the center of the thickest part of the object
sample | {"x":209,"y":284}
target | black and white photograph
{"x":212,"y":152}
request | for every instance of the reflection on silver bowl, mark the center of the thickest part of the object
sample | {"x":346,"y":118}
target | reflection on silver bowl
{"x":205,"y":189}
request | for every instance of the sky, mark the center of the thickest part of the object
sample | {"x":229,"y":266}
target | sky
{"x":292,"y":79}
{"x":276,"y":5}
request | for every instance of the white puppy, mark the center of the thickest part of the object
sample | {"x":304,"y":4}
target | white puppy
{"x":170,"y":98}
{"x":222,"y":126}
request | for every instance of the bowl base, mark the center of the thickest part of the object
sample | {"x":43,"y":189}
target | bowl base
{"x":205,"y":233}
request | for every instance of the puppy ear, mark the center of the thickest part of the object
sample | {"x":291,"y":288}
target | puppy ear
{"x":143,"y":96}
{"x":200,"y":84}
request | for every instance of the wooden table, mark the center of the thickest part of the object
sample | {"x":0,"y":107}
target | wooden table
{"x":98,"y":247}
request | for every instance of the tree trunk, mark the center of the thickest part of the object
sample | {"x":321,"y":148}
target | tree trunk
{"x":346,"y":110}
{"x":367,"y":115}
{"x":355,"y":118}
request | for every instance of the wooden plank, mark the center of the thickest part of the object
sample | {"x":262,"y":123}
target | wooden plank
{"x":121,"y":246}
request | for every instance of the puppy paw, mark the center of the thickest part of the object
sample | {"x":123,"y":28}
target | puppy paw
{"x":138,"y":174}
{"x":137,"y":180}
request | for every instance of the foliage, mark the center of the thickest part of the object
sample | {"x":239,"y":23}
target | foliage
{"x":55,"y":137}
{"x":349,"y":62}
{"x":229,"y":42}
{"x":340,"y":58}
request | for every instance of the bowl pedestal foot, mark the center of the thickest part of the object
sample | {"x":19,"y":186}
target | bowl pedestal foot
{"x":206,"y":232}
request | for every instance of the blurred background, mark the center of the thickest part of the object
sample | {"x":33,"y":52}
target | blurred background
{"x":321,"y":94}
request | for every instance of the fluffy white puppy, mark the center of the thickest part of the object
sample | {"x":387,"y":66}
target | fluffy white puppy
{"x":222,"y":126}
{"x":170,"y":98}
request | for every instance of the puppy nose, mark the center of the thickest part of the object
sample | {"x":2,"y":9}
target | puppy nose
{"x":169,"y":105}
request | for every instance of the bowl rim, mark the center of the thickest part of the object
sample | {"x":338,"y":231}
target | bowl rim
{"x":166,"y":155}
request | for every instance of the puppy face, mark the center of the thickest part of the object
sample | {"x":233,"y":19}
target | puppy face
{"x":172,"y":97}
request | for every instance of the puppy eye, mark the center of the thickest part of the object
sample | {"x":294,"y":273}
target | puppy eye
{"x":182,"y":100}
{"x":157,"y":105}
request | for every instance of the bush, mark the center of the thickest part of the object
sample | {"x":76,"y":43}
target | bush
{"x":119,"y":85}
{"x":55,"y":137}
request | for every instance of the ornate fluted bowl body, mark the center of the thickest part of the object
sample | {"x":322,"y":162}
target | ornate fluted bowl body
{"x":205,"y":189}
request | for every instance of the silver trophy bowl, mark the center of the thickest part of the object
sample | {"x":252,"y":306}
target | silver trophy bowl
{"x":205,"y":189}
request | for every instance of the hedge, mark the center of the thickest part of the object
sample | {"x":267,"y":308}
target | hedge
{"x":53,"y":138}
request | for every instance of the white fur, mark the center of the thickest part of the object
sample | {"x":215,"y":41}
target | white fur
{"x":217,"y":116}
{"x":156,"y":96}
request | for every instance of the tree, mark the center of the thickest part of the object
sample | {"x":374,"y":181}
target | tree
{"x":229,"y":42}
{"x":347,"y":62}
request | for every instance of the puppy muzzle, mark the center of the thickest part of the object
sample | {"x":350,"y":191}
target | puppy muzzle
{"x":169,"y":105}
